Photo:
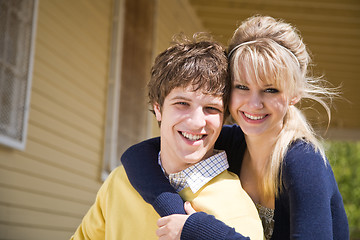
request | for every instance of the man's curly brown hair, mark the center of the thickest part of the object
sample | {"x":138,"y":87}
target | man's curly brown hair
{"x":199,"y":62}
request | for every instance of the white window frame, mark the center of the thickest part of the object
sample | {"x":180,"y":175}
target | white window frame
{"x":111,"y":156}
{"x":18,"y":102}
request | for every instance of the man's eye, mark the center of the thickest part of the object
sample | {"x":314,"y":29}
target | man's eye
{"x":182,"y":103}
{"x":271,"y":90}
{"x":241,"y":87}
{"x":214,"y":110}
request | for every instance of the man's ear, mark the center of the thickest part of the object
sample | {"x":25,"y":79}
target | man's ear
{"x":157,"y":111}
{"x":295,"y":100}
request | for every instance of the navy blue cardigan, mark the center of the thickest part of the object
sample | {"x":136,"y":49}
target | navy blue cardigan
{"x":309,"y":206}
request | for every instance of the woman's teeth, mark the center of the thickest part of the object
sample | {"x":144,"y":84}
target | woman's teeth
{"x":254,"y":117}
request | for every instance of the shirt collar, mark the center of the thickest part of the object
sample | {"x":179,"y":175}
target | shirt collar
{"x":199,"y":174}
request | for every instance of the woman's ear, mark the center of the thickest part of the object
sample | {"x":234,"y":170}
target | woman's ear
{"x":295,"y":100}
{"x":157,"y":111}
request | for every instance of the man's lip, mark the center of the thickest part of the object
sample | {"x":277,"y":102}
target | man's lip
{"x":192,"y":136}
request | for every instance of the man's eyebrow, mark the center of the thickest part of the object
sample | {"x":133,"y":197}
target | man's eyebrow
{"x":220,"y":105}
{"x":179,"y":97}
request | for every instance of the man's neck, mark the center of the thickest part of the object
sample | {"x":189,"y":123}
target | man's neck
{"x":198,"y":174}
{"x":172,"y":165}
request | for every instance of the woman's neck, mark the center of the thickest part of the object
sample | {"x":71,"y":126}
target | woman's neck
{"x":260,"y":149}
{"x":255,"y":160}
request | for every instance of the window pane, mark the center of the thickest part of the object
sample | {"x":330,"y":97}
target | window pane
{"x":11,"y":46}
{"x":3,"y":22}
{"x":16,"y":31}
{"x":7,"y":96}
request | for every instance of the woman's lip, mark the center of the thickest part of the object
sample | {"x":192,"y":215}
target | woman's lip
{"x":254,"y":118}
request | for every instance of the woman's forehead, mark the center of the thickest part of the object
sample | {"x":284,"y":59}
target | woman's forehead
{"x":249,"y":75}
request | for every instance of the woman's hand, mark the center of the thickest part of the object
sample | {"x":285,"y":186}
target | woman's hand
{"x":170,"y":227}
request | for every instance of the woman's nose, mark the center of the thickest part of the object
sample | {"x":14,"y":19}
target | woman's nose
{"x":256,"y":101}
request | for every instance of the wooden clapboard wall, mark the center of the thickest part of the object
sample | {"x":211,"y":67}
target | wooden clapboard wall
{"x":46,"y":189}
{"x":148,"y":31}
{"x":331,"y":30}
{"x":172,"y":17}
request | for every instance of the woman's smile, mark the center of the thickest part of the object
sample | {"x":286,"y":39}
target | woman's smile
{"x":254,"y":117}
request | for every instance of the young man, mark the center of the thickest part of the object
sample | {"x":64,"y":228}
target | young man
{"x":189,"y":92}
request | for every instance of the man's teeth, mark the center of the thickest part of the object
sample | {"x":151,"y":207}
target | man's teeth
{"x":254,"y":117}
{"x":192,"y":137}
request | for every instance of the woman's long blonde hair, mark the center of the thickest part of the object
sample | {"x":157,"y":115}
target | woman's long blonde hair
{"x":273,"y":52}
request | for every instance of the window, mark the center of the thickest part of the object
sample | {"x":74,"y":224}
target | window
{"x":127,"y":115}
{"x":111,"y":155}
{"x":17,"y":30}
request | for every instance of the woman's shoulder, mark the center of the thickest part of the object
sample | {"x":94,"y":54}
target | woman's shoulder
{"x":304,"y":161}
{"x":302,"y":150}
{"x":302,"y":156}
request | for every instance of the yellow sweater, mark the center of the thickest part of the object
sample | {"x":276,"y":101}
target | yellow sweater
{"x":120,"y":213}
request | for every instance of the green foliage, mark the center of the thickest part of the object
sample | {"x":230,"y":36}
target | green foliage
{"x":344,"y":158}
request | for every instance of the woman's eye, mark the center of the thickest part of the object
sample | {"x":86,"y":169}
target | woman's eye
{"x":241,"y":87}
{"x":271,"y":90}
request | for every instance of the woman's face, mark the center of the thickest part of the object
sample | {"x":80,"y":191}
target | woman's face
{"x":259,"y":109}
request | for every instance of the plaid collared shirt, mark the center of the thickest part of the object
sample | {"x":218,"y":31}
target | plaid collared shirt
{"x":199,"y":174}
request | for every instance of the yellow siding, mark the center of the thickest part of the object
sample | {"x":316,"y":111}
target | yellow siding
{"x":331,"y":30}
{"x":46,"y":189}
{"x":173,"y":17}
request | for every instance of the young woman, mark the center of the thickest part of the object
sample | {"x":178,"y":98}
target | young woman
{"x":280,"y":162}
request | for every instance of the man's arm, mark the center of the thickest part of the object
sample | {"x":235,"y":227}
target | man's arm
{"x":92,"y":225}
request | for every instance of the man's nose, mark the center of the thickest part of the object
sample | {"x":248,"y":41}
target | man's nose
{"x":198,"y":118}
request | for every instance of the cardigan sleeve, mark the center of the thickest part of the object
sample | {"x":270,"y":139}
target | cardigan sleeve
{"x":232,"y":140}
{"x":202,"y":226}
{"x":147,"y":177}
{"x":311,"y":188}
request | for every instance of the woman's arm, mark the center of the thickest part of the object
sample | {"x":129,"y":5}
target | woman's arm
{"x":311,"y":189}
{"x":199,"y":226}
{"x":202,"y":226}
{"x":232,"y":140}
{"x":146,"y":176}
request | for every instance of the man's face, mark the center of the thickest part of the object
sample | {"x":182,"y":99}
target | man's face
{"x":190,"y":124}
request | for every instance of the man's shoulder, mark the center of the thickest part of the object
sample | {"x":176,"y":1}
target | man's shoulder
{"x":117,"y":173}
{"x":227,"y":175}
{"x":225,"y":198}
{"x":117,"y":179}
{"x":225,"y":179}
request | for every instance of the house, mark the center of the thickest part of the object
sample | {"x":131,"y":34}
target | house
{"x":81,"y":86}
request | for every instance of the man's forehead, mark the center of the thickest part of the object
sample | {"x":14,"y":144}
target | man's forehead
{"x":190,"y":92}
